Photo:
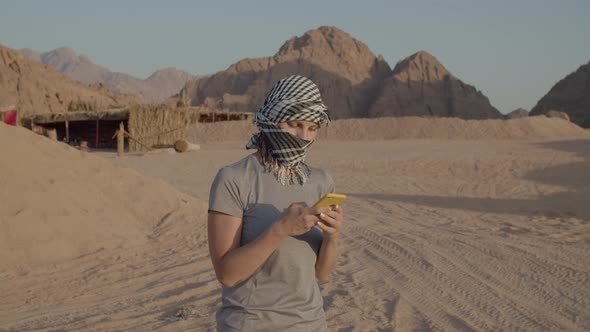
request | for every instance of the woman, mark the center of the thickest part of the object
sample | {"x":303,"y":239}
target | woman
{"x":267,"y":244}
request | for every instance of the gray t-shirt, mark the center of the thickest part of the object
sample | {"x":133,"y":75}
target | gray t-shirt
{"x":283,"y":294}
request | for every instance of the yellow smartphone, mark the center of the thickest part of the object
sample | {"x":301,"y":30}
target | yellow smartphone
{"x":330,"y":199}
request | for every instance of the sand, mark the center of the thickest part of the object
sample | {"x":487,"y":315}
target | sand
{"x":408,"y":128}
{"x":440,"y":235}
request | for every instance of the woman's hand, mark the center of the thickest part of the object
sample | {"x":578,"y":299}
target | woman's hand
{"x":298,"y":218}
{"x":331,"y":221}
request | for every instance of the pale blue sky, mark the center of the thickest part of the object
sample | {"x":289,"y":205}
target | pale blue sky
{"x":513,"y":51}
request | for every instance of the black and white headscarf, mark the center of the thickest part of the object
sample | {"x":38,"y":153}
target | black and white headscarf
{"x":290,"y":99}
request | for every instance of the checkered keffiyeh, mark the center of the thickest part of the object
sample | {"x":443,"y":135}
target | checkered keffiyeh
{"x":290,"y":99}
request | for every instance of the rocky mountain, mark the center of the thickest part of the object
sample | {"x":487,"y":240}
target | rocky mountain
{"x":36,"y":88}
{"x":570,"y":95}
{"x":66,"y":61}
{"x":422,"y":86}
{"x":347,"y":73}
{"x":354,"y":82}
{"x":159,"y":86}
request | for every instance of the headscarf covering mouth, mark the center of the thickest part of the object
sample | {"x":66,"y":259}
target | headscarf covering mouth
{"x":294,"y":98}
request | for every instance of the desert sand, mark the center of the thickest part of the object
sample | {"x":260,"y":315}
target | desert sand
{"x":456,"y":228}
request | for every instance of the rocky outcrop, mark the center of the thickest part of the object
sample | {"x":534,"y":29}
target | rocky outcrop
{"x":558,"y":114}
{"x":35,"y":88}
{"x":570,"y":95}
{"x":354,"y":82}
{"x":517,"y":113}
{"x":159,"y":86}
{"x":422,"y":86}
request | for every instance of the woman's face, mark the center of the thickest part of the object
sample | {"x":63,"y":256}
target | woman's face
{"x":306,"y":130}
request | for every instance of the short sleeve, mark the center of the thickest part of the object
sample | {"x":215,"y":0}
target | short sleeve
{"x":225,"y":196}
{"x":330,"y":183}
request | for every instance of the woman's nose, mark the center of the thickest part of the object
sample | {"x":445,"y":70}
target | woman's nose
{"x":299,"y":132}
{"x":305,"y":134}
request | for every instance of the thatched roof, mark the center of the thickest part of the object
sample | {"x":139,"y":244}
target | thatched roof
{"x":111,"y":114}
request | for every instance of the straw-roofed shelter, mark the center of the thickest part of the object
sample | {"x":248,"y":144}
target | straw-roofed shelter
{"x":94,"y":127}
{"x":162,"y":125}
{"x":148,"y":126}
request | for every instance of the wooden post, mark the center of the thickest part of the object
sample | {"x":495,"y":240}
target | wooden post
{"x":96,"y":138}
{"x":121,"y":140}
{"x":52,"y":134}
{"x":67,"y":131}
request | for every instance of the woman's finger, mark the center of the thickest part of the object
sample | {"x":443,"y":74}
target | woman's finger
{"x":337,"y":217}
{"x":336,"y":208}
{"x":329,"y":221}
{"x":324,"y":226}
{"x":318,"y":210}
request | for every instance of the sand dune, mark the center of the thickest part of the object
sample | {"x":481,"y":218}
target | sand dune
{"x":440,"y":235}
{"x":59,"y":203}
{"x":409,"y":128}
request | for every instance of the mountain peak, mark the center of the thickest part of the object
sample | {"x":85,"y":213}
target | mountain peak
{"x":420,"y":66}
{"x":170,"y":75}
{"x":324,"y":36}
{"x":331,"y":49}
{"x":63,"y":53}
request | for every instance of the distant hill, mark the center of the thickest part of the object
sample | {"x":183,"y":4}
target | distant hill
{"x":421,"y":85}
{"x":36,"y":88}
{"x":517,"y":113}
{"x":570,"y":95}
{"x":159,"y":86}
{"x":354,"y":82}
